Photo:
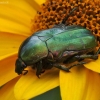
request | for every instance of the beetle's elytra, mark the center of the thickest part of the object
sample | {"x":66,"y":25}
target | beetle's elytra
{"x":51,"y":47}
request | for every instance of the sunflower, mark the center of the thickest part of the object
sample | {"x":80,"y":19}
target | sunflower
{"x":19,"y":20}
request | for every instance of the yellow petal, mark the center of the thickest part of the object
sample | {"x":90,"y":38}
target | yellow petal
{"x":7,"y":69}
{"x":7,"y":91}
{"x":35,"y":3}
{"x":80,"y":84}
{"x":94,"y":65}
{"x":40,"y":1}
{"x":9,"y":43}
{"x":15,"y":17}
{"x":30,"y":86}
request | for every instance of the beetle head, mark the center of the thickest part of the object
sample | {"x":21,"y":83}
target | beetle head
{"x":20,"y":66}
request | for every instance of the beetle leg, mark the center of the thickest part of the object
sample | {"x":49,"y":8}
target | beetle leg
{"x":87,"y":56}
{"x":62,"y":24}
{"x":39,"y":68}
{"x":67,"y":69}
{"x":61,"y":67}
{"x":70,"y":13}
{"x":80,"y":63}
{"x":94,"y":56}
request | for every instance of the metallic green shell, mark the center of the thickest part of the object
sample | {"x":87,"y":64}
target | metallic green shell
{"x":57,"y":39}
{"x":32,"y":50}
{"x":72,"y":40}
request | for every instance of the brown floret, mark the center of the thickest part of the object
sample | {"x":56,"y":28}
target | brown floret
{"x":54,"y":11}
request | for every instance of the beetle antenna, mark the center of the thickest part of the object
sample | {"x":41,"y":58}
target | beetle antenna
{"x":66,"y":18}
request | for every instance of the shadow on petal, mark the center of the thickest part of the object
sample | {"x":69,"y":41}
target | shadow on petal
{"x":7,"y":69}
{"x":80,"y":84}
{"x":7,"y":91}
{"x":30,"y":85}
{"x":94,"y":65}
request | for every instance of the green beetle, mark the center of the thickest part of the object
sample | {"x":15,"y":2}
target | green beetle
{"x":59,"y":45}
